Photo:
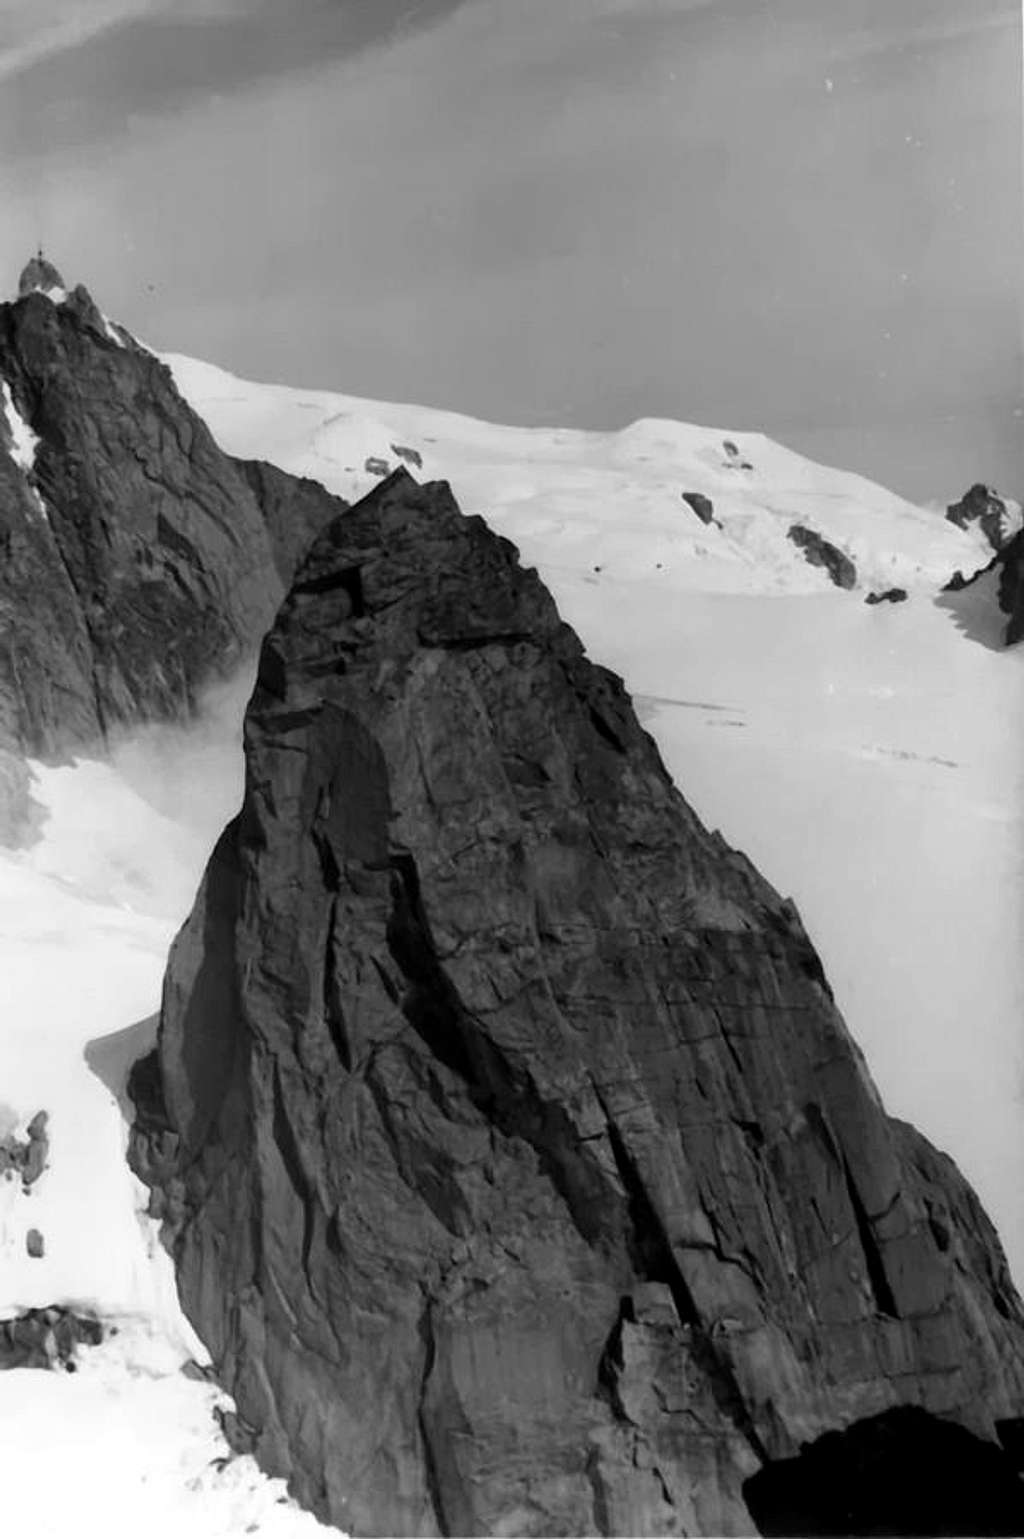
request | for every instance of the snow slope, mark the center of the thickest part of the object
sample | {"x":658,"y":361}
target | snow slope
{"x":866,"y":758}
{"x":86,"y":917}
{"x":575,"y":501}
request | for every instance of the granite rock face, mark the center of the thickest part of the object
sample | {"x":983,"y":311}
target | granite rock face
{"x":519,"y":1172}
{"x":137,"y":558}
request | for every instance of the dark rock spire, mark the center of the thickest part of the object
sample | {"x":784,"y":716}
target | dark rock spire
{"x":520,"y":1173}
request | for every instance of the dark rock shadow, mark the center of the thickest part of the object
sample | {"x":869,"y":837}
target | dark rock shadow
{"x":112,"y":1058}
{"x":974,"y":610}
{"x":903,"y":1472}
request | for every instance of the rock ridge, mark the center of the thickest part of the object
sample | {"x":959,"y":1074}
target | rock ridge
{"x":139,"y":560}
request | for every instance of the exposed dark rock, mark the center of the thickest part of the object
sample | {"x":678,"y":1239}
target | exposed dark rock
{"x":376,"y":467}
{"x":958,"y":582}
{"x":295,"y":509}
{"x":46,"y":1338}
{"x":199,"y":1373}
{"x":27,"y":1156}
{"x":821,"y":552}
{"x":733,"y":459}
{"x":901,"y":1472}
{"x":410,"y":456}
{"x":35,"y":1244}
{"x":1008,"y":566}
{"x":984,"y":507}
{"x":1011,"y":587}
{"x":888,"y":596}
{"x":136,"y":559}
{"x":702,"y":506}
{"x":519,"y":1171}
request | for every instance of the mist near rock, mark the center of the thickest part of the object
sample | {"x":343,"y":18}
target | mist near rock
{"x":136,"y":826}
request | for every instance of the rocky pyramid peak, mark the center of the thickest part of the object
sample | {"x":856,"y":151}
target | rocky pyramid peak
{"x":39,"y":274}
{"x":519,"y":1171}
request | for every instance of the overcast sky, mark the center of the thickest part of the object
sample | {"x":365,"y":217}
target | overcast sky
{"x":799,"y":215}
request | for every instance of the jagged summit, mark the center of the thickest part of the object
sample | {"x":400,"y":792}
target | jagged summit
{"x":40,"y":275}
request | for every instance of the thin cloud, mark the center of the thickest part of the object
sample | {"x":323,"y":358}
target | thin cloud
{"x":81,"y":79}
{"x":31,"y":33}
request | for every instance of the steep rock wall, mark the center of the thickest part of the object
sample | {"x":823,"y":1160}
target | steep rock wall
{"x":138,"y":559}
{"x":518,"y":1169}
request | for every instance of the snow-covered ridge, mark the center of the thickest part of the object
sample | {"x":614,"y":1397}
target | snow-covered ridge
{"x":603,"y":501}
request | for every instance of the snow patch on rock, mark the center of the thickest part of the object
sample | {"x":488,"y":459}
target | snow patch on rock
{"x":23,"y":441}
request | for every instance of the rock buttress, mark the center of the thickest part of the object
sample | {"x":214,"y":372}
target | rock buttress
{"x":519,"y":1171}
{"x":138,"y":560}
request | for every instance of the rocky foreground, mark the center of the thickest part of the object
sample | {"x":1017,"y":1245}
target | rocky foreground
{"x":519,"y":1171}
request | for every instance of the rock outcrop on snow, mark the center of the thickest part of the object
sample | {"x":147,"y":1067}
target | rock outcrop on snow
{"x":821,"y":552}
{"x":138,"y":559}
{"x":701,"y":505}
{"x":983,"y":506}
{"x":519,"y":1172}
{"x":46,"y":1338}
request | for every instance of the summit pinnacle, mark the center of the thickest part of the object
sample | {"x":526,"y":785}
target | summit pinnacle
{"x":38,"y":273}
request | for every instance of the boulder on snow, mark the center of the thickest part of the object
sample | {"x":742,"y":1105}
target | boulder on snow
{"x":887,"y":596}
{"x":375,"y":466}
{"x":34,"y":1244}
{"x":821,"y":552}
{"x":519,"y":1171}
{"x":701,"y":505}
{"x":411,"y":456}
